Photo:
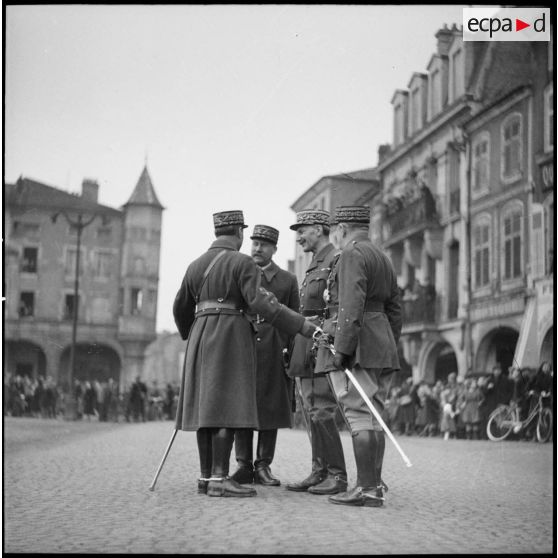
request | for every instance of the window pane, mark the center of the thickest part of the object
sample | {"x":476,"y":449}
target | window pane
{"x":485,"y":266}
{"x":507,"y":259}
{"x":29,"y":262}
{"x":517,"y":256}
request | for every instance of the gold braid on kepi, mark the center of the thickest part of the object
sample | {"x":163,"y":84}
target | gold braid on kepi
{"x":311,"y":217}
{"x":229,"y":218}
{"x":351,"y":214}
{"x":265,"y":232}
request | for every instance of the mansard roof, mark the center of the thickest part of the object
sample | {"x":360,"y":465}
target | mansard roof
{"x":144,"y":192}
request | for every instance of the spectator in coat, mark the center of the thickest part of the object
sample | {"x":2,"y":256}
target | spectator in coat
{"x":469,"y":402}
{"x":89,"y":400}
{"x":138,"y":399}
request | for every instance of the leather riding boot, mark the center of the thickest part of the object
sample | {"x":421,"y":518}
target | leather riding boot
{"x":366,"y":449}
{"x":319,"y":467}
{"x":358,"y":496}
{"x":314,"y":478}
{"x":264,"y":456}
{"x":221,"y":444}
{"x":329,"y":443}
{"x":332,"y":449}
{"x":368,"y":490}
{"x":332,"y":484}
{"x":381,"y":441}
{"x":203,"y":436}
{"x":243,"y":440}
{"x":220,"y":484}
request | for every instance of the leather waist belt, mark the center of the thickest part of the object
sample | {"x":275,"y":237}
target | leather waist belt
{"x":216,"y":307}
{"x":374,"y":306}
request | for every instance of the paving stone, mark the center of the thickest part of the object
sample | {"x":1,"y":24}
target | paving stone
{"x":83,"y":487}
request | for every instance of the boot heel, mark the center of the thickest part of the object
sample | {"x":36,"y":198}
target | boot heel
{"x":373,"y":503}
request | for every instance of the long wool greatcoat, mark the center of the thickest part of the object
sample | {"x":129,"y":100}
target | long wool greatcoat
{"x":273,"y":387}
{"x":218,"y":386}
{"x":366,"y":276}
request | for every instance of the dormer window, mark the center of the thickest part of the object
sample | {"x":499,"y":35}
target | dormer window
{"x":457,"y":62}
{"x":399,"y":102}
{"x":417,"y":102}
{"x":435,"y":91}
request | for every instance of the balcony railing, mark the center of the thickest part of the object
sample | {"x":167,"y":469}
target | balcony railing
{"x":416,"y":214}
{"x":417,"y":308}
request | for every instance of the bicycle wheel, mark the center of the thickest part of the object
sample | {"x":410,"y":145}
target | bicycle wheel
{"x":500,"y":423}
{"x":544,"y":425}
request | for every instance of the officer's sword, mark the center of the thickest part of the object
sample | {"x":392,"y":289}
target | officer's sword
{"x":373,"y":409}
{"x":152,"y":487}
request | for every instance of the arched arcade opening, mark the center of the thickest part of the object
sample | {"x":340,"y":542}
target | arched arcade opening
{"x":497,"y":347}
{"x":93,"y":362}
{"x":440,"y":362}
{"x":25,"y":358}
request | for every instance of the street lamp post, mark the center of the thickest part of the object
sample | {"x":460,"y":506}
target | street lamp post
{"x":79,"y":225}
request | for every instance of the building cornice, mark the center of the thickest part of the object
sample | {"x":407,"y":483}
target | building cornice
{"x":439,"y":121}
{"x":497,"y":108}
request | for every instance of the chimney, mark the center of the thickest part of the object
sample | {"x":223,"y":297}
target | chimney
{"x":444,"y":37}
{"x":383,"y":151}
{"x":90,"y":190}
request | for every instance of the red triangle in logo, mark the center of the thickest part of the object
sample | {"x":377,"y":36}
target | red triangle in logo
{"x":519,"y":25}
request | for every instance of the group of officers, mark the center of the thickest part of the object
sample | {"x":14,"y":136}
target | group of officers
{"x":243,"y":315}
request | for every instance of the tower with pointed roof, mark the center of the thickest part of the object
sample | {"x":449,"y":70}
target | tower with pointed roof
{"x":139,"y":274}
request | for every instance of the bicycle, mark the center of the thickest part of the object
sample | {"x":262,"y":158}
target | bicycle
{"x":505,"y":419}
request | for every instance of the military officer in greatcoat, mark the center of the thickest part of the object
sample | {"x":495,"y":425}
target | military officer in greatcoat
{"x":329,"y":473}
{"x":273,"y":386}
{"x":365,"y":334}
{"x":218,"y":388}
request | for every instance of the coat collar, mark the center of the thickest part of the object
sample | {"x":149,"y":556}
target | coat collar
{"x":321,"y":256}
{"x":224,"y":242}
{"x":270,"y":271}
{"x":357,"y":236}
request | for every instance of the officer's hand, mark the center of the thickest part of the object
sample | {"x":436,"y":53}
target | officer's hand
{"x":308,"y":328}
{"x":341,"y":360}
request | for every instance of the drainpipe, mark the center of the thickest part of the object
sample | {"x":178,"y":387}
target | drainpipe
{"x":468,"y":251}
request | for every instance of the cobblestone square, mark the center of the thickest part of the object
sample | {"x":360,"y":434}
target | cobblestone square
{"x":79,"y":487}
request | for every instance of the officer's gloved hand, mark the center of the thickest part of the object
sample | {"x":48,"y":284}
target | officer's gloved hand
{"x":341,"y":360}
{"x":308,"y":328}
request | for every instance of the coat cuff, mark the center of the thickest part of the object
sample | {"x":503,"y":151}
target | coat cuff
{"x":288,"y":321}
{"x":345,"y":344}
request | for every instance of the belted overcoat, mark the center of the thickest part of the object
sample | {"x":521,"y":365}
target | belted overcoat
{"x":218,"y":387}
{"x":273,"y":386}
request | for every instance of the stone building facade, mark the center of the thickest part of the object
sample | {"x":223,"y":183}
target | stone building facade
{"x":117,"y":281}
{"x":463,"y":203}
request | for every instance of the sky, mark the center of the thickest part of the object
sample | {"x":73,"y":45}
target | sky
{"x":230,"y":106}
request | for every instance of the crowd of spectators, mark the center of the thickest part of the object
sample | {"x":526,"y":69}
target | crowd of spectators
{"x":456,"y":408}
{"x":460,"y":408}
{"x":92,"y":400}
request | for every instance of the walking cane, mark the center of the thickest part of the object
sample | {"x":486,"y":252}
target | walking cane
{"x":152,"y":487}
{"x":373,"y":409}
